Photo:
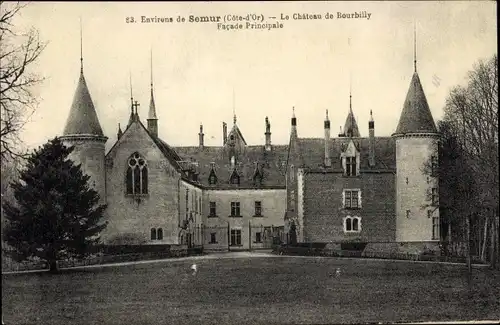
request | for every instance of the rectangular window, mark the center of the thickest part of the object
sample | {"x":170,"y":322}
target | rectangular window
{"x":258,"y":237}
{"x":235,"y":237}
{"x":213,"y":239}
{"x":408,"y":213}
{"x":258,"y":208}
{"x":235,"y":209}
{"x":351,"y":199}
{"x":187,"y":201}
{"x":435,"y":228}
{"x":434,"y":165}
{"x":195,"y":202}
{"x":351,"y":167}
{"x":213,"y":209}
{"x":434,"y":194}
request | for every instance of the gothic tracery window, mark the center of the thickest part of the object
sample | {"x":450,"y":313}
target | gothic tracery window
{"x":137,"y":175}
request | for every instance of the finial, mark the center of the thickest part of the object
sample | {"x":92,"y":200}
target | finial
{"x":414,"y":46}
{"x":81,"y":46}
{"x":234,"y":109}
{"x":151,"y":61}
{"x":131,"y":95}
{"x":327,"y":114}
{"x":293,"y":111}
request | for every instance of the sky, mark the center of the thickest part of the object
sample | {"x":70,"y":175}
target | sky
{"x":202,"y":74}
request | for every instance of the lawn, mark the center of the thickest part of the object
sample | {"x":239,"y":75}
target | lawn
{"x":253,"y":289}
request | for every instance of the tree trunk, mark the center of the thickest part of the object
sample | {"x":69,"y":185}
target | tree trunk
{"x":449,"y":232}
{"x":494,"y":240}
{"x":485,"y":239}
{"x":53,"y":268}
{"x":469,"y":264}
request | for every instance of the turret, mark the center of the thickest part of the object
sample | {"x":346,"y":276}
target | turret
{"x":416,"y":136}
{"x":84,"y":132}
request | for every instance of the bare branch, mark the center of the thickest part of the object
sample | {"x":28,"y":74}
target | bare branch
{"x":18,"y":54}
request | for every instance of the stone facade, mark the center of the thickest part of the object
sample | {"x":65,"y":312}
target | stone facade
{"x":414,"y":210}
{"x":324,"y":210}
{"x":132,"y":215}
{"x":348,"y":188}
{"x":225,"y":203}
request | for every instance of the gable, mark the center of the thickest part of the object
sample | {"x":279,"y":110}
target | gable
{"x":351,"y":149}
{"x":137,"y":139}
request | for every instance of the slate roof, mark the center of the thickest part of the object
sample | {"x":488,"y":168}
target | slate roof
{"x":313,"y":153}
{"x":82,"y":117}
{"x":271,"y":163}
{"x":416,"y":116}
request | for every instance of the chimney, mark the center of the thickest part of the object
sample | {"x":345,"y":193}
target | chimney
{"x":371,"y":149}
{"x":328,"y":162}
{"x":268,"y":135}
{"x":200,"y":135}
{"x":224,"y":132}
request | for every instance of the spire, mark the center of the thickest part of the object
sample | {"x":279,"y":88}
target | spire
{"x":131,"y":118}
{"x":82,"y":117}
{"x":327,"y":121}
{"x":414,"y":46}
{"x":81,"y":46}
{"x":152,"y":107}
{"x":351,"y":126}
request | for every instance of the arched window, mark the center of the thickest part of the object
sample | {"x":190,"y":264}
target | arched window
{"x":137,"y":175}
{"x":160,"y":234}
{"x":153,"y":234}
{"x":352,"y":224}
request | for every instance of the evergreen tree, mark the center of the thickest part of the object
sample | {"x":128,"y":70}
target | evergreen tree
{"x":56,"y":214}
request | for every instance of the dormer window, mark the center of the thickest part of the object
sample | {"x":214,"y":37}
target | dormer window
{"x":235,"y":178}
{"x":212,"y":177}
{"x":351,"y":166}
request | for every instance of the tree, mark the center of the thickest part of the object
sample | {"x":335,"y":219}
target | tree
{"x":18,"y":53}
{"x":468,"y":175}
{"x":56,"y":214}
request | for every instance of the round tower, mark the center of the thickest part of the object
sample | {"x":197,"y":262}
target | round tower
{"x":84,"y":132}
{"x":416,"y":137}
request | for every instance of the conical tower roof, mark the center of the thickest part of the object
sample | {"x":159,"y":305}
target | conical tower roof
{"x":82,"y":117}
{"x":416,"y":116}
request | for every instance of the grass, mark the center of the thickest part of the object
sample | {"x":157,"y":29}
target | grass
{"x":252,"y":289}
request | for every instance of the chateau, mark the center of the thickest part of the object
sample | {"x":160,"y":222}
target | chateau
{"x":329,"y":189}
